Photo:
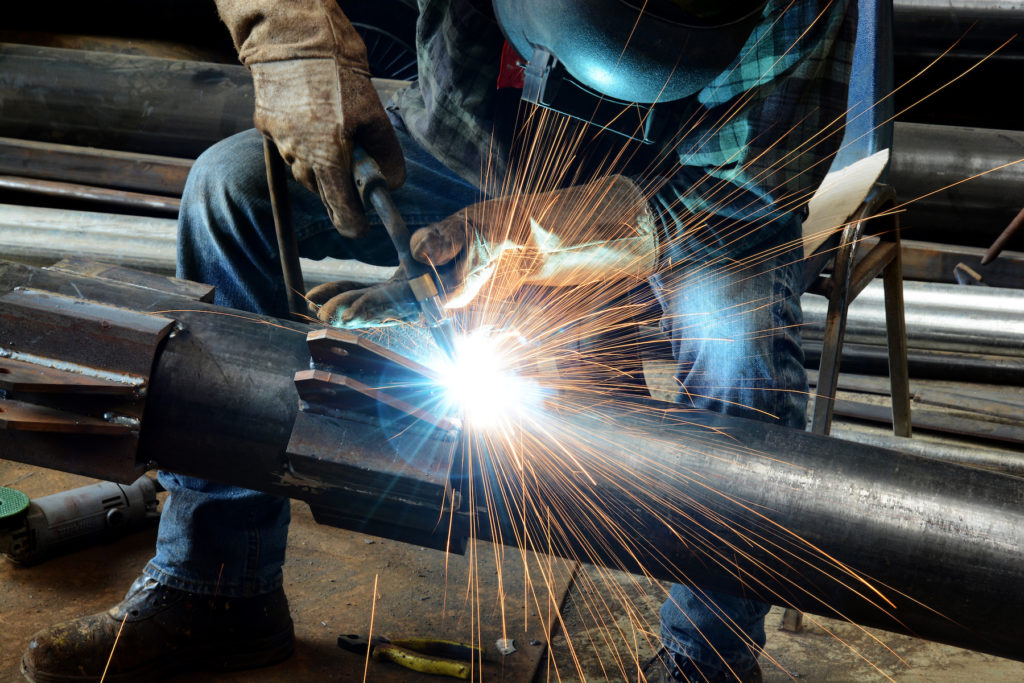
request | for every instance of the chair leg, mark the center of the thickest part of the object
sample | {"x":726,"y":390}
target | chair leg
{"x":835,"y":328}
{"x":896,"y":330}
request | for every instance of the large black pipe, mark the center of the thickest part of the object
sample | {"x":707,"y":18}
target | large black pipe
{"x":787,"y":516}
{"x":928,"y":158}
{"x":113,"y":101}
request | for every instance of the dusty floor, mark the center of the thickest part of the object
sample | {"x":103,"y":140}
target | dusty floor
{"x":605,"y":623}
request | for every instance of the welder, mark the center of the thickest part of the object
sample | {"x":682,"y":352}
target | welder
{"x":737,"y":103}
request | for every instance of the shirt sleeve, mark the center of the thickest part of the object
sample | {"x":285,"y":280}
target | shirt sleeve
{"x":759,"y":138}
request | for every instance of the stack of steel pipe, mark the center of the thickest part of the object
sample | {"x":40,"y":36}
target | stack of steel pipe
{"x":972,"y":334}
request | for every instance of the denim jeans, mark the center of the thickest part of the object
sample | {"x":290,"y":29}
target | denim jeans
{"x":221,"y":539}
{"x":734,"y":334}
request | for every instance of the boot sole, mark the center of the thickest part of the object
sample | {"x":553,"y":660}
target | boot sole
{"x":259,"y":652}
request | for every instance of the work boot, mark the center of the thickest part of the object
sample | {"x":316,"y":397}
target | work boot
{"x":668,"y":667}
{"x":165,"y":631}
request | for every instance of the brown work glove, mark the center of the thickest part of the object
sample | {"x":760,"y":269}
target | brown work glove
{"x":314,"y":97}
{"x":597,"y":232}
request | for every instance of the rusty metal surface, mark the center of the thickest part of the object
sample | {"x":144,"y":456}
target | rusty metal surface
{"x":109,"y":168}
{"x":136,"y":278}
{"x":73,"y":331}
{"x":933,"y":262}
{"x":35,"y":418}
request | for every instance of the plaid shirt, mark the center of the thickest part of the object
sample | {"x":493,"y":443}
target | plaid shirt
{"x":748,"y":150}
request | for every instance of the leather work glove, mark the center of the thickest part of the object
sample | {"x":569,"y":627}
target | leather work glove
{"x":596,"y":232}
{"x":334,"y":302}
{"x":314,"y":97}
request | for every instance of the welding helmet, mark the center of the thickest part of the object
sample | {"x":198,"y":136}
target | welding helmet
{"x":593,"y":58}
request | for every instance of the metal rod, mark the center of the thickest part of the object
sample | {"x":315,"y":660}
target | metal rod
{"x":120,"y":198}
{"x":896,"y":338}
{"x":1003,"y":239}
{"x":287,"y":244}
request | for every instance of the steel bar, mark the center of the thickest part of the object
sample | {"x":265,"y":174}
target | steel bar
{"x":284,"y":229}
{"x":896,"y":337}
{"x":115,"y":198}
{"x":721,"y":502}
{"x":835,"y":327}
{"x":1004,"y":238}
{"x":939,"y":317}
{"x":148,"y":173}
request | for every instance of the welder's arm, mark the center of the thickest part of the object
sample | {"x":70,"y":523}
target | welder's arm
{"x":596,"y":232}
{"x":314,"y":97}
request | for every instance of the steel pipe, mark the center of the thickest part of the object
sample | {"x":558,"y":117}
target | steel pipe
{"x":114,"y":101}
{"x":790,"y":517}
{"x":940,"y":317}
{"x":930,"y":168}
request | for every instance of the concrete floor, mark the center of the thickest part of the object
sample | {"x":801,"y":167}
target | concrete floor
{"x":605,"y":625}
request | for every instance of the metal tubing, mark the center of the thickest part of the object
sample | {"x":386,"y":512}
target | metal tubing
{"x":721,"y":502}
{"x":939,"y":317}
{"x":89,"y":193}
{"x":928,"y":158}
{"x":115,"y":101}
{"x":712,"y":500}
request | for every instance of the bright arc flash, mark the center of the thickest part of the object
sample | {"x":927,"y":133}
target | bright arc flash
{"x":482,"y":383}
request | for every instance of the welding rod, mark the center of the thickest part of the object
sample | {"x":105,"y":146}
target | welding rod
{"x":287,"y":245}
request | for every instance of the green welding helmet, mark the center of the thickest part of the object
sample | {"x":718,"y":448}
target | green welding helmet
{"x":611,"y":62}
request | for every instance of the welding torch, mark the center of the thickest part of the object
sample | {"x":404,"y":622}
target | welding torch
{"x":423,"y":281}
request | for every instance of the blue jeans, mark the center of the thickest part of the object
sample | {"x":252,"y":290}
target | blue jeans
{"x":222,"y":539}
{"x":734,"y":334}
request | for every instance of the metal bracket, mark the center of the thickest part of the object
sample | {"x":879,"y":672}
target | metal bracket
{"x":366,"y":426}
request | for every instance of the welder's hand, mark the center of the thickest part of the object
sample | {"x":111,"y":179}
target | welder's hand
{"x":314,"y":97}
{"x":595,"y":232}
{"x":314,"y":109}
{"x":357,"y":304}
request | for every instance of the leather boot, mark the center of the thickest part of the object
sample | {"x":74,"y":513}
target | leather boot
{"x":165,"y":631}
